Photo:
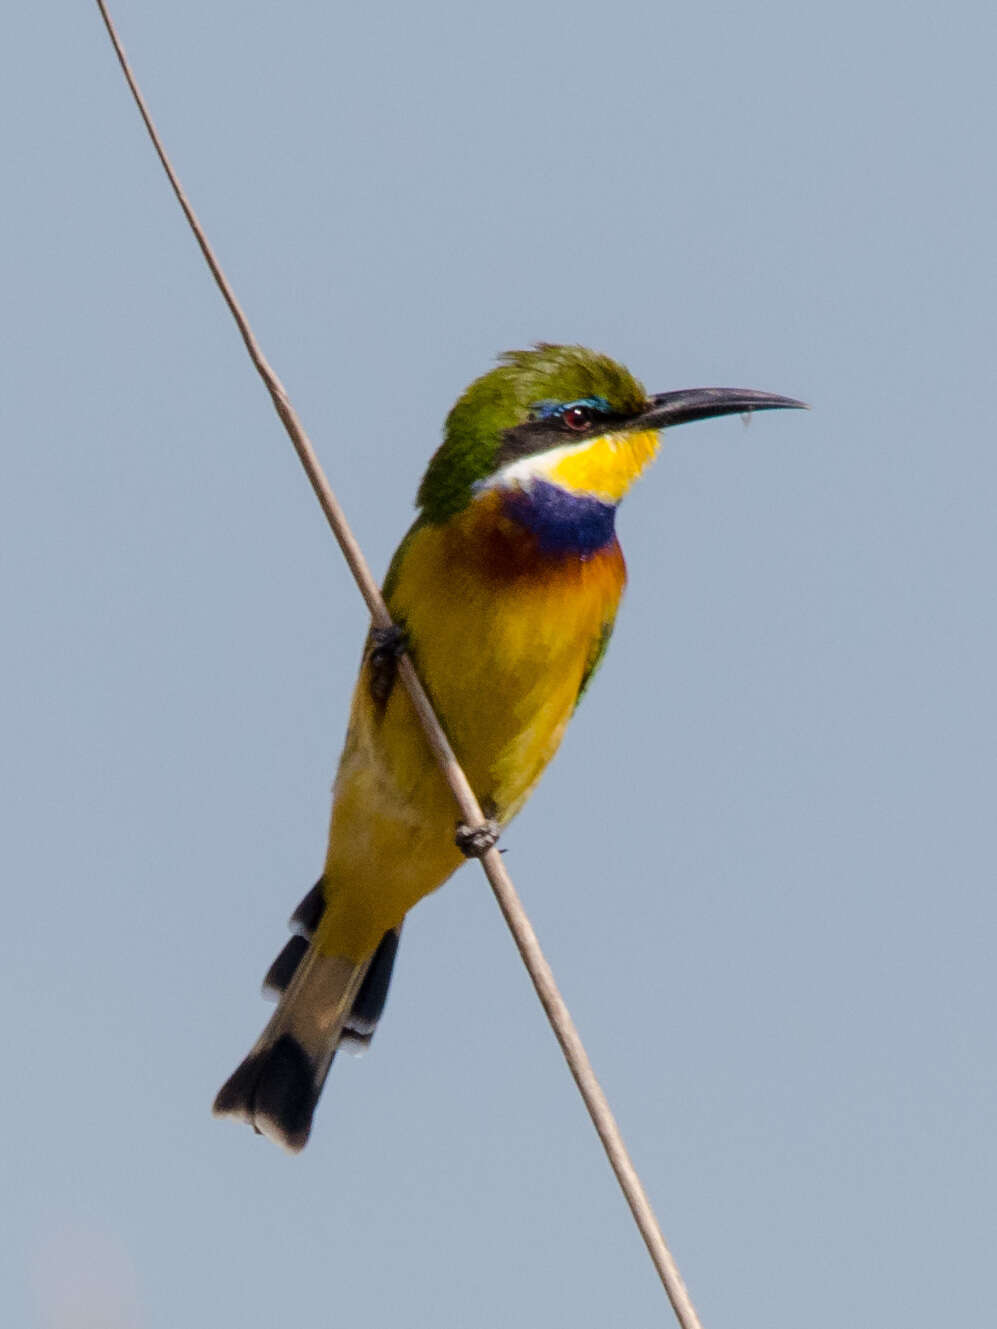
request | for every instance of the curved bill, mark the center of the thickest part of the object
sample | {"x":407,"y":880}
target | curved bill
{"x":679,"y":408}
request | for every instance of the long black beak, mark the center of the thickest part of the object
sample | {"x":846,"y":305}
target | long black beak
{"x":678,"y":408}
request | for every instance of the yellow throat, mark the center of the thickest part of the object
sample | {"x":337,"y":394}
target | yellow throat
{"x":604,"y":467}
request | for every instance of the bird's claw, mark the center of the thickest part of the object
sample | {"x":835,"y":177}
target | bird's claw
{"x":387,"y":644}
{"x":475,"y":841}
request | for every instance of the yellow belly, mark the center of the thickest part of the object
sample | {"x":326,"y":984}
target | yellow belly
{"x":501,"y":643}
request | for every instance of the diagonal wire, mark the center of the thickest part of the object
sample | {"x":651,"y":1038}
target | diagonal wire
{"x":508,"y":899}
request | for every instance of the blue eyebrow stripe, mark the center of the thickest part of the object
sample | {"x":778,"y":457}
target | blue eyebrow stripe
{"x":546,"y":410}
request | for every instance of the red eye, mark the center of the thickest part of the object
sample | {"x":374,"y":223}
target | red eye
{"x":577,"y":418}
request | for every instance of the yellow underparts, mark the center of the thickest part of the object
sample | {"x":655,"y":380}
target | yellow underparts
{"x":501,"y":639}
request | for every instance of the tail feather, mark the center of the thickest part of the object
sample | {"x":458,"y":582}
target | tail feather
{"x":324,"y":1002}
{"x":276,"y":1088}
{"x":359,"y":1026}
{"x":284,"y":968}
{"x":305,"y":919}
{"x":366,"y":1010}
{"x":274,"y":1091}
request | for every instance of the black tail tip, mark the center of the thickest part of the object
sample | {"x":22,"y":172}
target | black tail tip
{"x":274,"y":1090}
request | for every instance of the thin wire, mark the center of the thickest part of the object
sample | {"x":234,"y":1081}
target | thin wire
{"x":515,"y":916}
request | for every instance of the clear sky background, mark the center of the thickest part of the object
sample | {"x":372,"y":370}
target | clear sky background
{"x":763,"y":863}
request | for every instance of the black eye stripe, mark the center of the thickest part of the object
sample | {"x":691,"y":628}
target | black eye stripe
{"x":550,"y":430}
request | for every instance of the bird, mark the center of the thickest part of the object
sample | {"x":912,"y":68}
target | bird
{"x":503,"y":593}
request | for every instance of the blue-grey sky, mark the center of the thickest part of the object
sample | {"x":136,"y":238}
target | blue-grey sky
{"x":762,"y":864}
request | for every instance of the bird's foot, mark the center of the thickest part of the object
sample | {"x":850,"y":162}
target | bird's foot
{"x":387,"y":644}
{"x":475,"y":841}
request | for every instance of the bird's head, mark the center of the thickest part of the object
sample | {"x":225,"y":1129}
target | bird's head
{"x":565,"y":414}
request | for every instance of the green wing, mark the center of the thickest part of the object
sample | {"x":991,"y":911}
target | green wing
{"x":595,"y":658}
{"x":395,"y":567}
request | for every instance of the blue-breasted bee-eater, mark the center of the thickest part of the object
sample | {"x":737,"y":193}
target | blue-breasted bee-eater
{"x":505,"y":590}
